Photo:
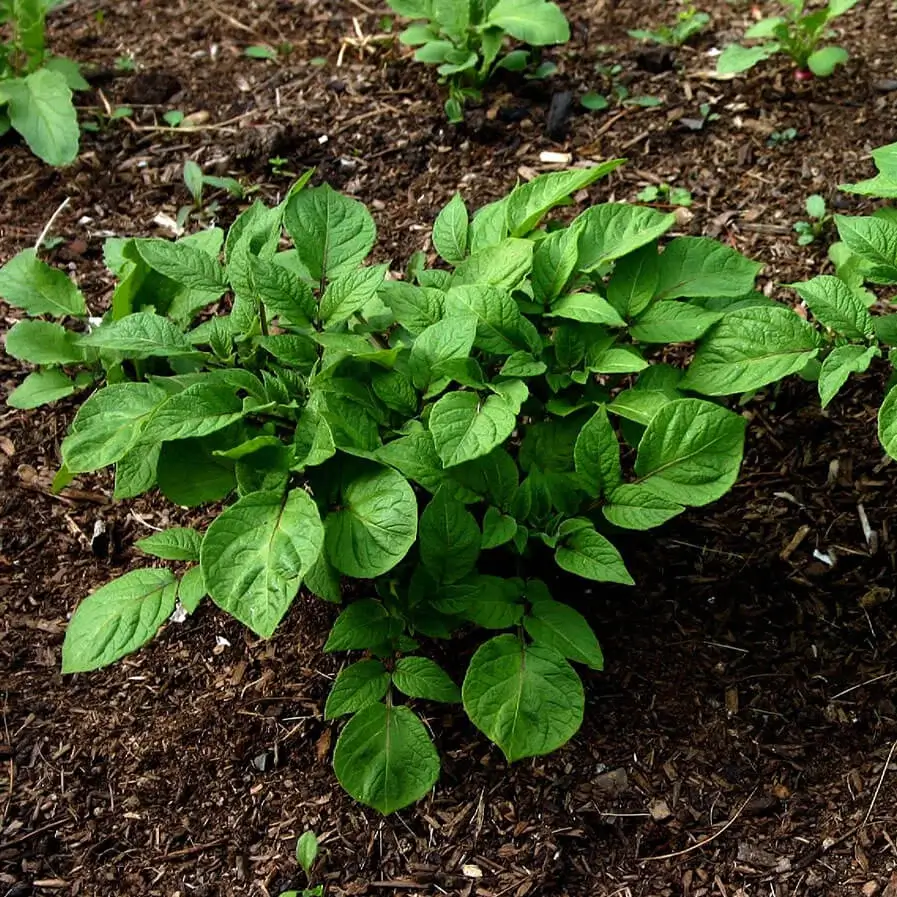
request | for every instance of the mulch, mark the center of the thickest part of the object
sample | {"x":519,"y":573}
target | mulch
{"x":741,"y":739}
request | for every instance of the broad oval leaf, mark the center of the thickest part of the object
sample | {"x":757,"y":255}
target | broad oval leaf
{"x":450,"y":231}
{"x":564,"y":629}
{"x":839,"y":364}
{"x":750,"y":348}
{"x":691,"y":452}
{"x":356,"y":686}
{"x":177,"y":543}
{"x":613,"y":230}
{"x":184,"y":264}
{"x":695,"y":267}
{"x":41,"y":388}
{"x":449,"y":538}
{"x":43,"y":342}
{"x":525,"y":698}
{"x":256,"y":552}
{"x":140,"y":335}
{"x":597,"y":454}
{"x":39,"y":289}
{"x":633,"y":506}
{"x":199,"y":410}
{"x":588,"y":554}
{"x":376,"y":525}
{"x":385,"y":759}
{"x":836,"y":306}
{"x":40,"y":108}
{"x":535,"y":22}
{"x":117,"y":619}
{"x":464,"y":427}
{"x":673,"y":322}
{"x":420,"y":677}
{"x":887,"y":423}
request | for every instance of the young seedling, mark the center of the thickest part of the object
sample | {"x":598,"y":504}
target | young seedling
{"x":810,"y":231}
{"x":706,"y":116}
{"x":689,"y":22}
{"x":196,"y":181}
{"x":615,"y":91}
{"x":777,"y":138}
{"x":125,"y":64}
{"x":798,"y":34}
{"x":666,"y":195}
{"x":306,"y":854}
{"x":467,"y":40}
{"x":36,"y":87}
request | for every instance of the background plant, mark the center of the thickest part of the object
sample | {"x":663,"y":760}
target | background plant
{"x":810,"y":231}
{"x":441,"y":438}
{"x":467,"y":39}
{"x":798,"y":34}
{"x":35,"y":86}
{"x":689,"y":23}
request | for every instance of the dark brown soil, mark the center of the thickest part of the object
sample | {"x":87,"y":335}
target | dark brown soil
{"x":741,"y":740}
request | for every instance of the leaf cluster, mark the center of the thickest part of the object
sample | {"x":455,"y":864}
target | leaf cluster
{"x":798,"y":34}
{"x":467,"y":39}
{"x":442,"y":437}
{"x":35,"y":86}
{"x":689,"y":23}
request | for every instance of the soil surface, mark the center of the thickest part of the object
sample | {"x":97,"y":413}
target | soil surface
{"x":741,"y":740}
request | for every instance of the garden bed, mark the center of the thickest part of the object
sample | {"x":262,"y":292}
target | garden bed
{"x":739,"y":737}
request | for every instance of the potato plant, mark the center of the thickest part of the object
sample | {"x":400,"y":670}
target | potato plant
{"x":466,"y":39}
{"x":36,"y":87}
{"x":441,"y":438}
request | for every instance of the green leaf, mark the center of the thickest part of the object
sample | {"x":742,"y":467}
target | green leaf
{"x":528,"y":204}
{"x":415,"y":308}
{"x":504,"y":265}
{"x":764,"y":28}
{"x":449,"y":538}
{"x":42,"y":342}
{"x":558,"y":626}
{"x":588,"y":554}
{"x":350,"y":292}
{"x":613,"y":230}
{"x":636,"y":507}
{"x":640,"y":405}
{"x":312,"y":440}
{"x":356,"y":686}
{"x":188,"y":471}
{"x":191,"y":589}
{"x":750,"y":348}
{"x":199,"y":410}
{"x":135,"y":473}
{"x":836,"y":306}
{"x":489,"y":226}
{"x":465,"y":428}
{"x":38,"y":289}
{"x":117,"y":619}
{"x":255,"y":554}
{"x":588,"y":308}
{"x":396,"y":391}
{"x":332,"y":233}
{"x":376,"y":524}
{"x":178,"y":543}
{"x":281,"y":291}
{"x":597,"y":454}
{"x":501,"y":328}
{"x":691,"y":452}
{"x":40,"y":108}
{"x":108,"y":424}
{"x":553,"y":263}
{"x":634,"y":280}
{"x":363,"y":625}
{"x":41,"y":388}
{"x":673,"y":322}
{"x":307,"y":852}
{"x":823,"y":62}
{"x":887,"y":423}
{"x":487,"y":601}
{"x":694,"y":267}
{"x":498,"y":528}
{"x":875,"y":241}
{"x":736,"y":59}
{"x":535,"y":22}
{"x":184,"y":264}
{"x":448,"y":339}
{"x":385,"y":759}
{"x":525,"y":698}
{"x":522,"y":364}
{"x":419,"y":677}
{"x":140,"y":335}
{"x":839,"y":364}
{"x":450,"y":231}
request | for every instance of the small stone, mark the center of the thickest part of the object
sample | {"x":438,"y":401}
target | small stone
{"x":886,"y":85}
{"x":659,"y":810}
{"x":612,"y":783}
{"x":471,"y":871}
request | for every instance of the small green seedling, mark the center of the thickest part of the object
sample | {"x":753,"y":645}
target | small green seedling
{"x":173,"y":118}
{"x":689,"y":22}
{"x":279,"y":167}
{"x":810,"y":231}
{"x":798,"y":34}
{"x":260,"y":51}
{"x":196,"y":182}
{"x":35,"y":86}
{"x":665,"y":195}
{"x":466,"y":39}
{"x":125,"y":64}
{"x":306,"y":854}
{"x":614,"y":92}
{"x":777,"y":138}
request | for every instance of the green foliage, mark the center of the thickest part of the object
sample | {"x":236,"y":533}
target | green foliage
{"x":36,"y":87}
{"x":484,"y":415}
{"x":884,"y":184}
{"x":689,"y":23}
{"x":666,"y":195}
{"x":798,"y":34}
{"x":467,"y":40}
{"x":810,"y":231}
{"x":614,"y":92}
